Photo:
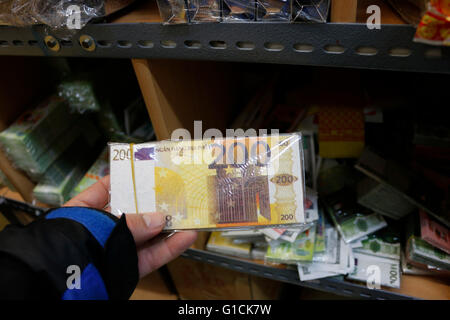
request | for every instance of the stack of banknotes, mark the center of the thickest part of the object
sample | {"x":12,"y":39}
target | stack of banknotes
{"x":32,"y":142}
{"x":63,"y":175}
{"x":237,"y":182}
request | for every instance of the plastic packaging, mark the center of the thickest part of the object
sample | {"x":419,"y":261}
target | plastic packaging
{"x":204,"y":11}
{"x":228,"y":183}
{"x":238,"y":10}
{"x":434,"y":28}
{"x":79,"y":94}
{"x":273,"y":10}
{"x":310,"y":10}
{"x":53,"y":13}
{"x":34,"y":141}
{"x":173,"y":11}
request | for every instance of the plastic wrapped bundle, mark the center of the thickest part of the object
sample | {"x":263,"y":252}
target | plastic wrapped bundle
{"x":28,"y":141}
{"x":66,"y":172}
{"x":204,"y":11}
{"x":310,"y":10}
{"x":238,"y":10}
{"x":79,"y":94}
{"x":173,"y":11}
{"x":273,"y":10}
{"x":54,"y":13}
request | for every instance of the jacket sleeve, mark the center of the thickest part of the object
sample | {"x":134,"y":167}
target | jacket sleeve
{"x":74,"y":253}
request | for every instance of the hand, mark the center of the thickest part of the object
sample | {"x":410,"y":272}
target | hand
{"x":144,"y":227}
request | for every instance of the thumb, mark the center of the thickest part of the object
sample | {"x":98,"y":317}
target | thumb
{"x":145,"y":226}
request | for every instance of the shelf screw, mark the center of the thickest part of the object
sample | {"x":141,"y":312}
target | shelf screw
{"x":52,"y":43}
{"x":87,"y":43}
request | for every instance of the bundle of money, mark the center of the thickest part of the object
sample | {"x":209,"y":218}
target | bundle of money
{"x":434,"y":233}
{"x":239,"y":182}
{"x":352,"y":220}
{"x":65,"y":173}
{"x":220,"y":244}
{"x":336,"y":259}
{"x":32,"y":142}
{"x":302,"y":249}
{"x":378,"y":255}
{"x":421,"y":252}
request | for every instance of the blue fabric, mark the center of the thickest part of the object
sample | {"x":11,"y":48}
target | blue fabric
{"x":92,"y":286}
{"x":98,"y":224}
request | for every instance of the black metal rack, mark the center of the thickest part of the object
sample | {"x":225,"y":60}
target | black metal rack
{"x":333,"y":285}
{"x":339,"y":45}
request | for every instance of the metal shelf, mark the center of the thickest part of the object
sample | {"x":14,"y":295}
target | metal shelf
{"x":331,"y":285}
{"x":339,"y":45}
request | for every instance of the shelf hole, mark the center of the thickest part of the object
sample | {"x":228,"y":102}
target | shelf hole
{"x":400,"y":52}
{"x":3,"y":43}
{"x":349,"y":292}
{"x":105,"y":43}
{"x":66,"y":43}
{"x":366,"y":51}
{"x":124,"y":44}
{"x":193,"y":44}
{"x":273,"y":46}
{"x":301,"y":47}
{"x":32,"y":43}
{"x":168,"y":44}
{"x":146,"y":44}
{"x":334,"y":49}
{"x":245,"y":45}
{"x":217,"y":44}
{"x":364,"y":295}
{"x":435,"y":53}
{"x":17,"y":42}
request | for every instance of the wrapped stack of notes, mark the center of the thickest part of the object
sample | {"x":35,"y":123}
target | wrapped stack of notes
{"x":33,"y":141}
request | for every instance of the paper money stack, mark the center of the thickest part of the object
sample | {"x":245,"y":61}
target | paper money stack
{"x":33,"y":142}
{"x":427,"y":245}
{"x":65,"y":173}
{"x":227,"y":183}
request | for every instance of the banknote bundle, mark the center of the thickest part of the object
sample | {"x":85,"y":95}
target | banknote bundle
{"x":380,"y":253}
{"x":424,"y":254}
{"x":221,"y":244}
{"x":32,"y":141}
{"x":352,"y":220}
{"x":65,"y":173}
{"x":239,"y":182}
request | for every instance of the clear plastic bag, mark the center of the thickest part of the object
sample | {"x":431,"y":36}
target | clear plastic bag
{"x":310,"y":10}
{"x":57,"y":14}
{"x":173,"y":11}
{"x":225,"y":183}
{"x":238,"y":10}
{"x":204,"y":11}
{"x":273,"y":10}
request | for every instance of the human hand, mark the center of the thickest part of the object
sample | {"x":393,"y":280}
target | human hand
{"x":144,"y":228}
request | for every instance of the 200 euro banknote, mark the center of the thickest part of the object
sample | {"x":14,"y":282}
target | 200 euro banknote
{"x":210,"y":184}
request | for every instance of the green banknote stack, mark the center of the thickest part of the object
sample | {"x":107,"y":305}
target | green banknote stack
{"x":65,"y":173}
{"x":424,"y":253}
{"x":380,"y":252}
{"x":32,"y":142}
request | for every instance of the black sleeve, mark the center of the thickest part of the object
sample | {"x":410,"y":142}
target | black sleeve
{"x":74,"y":253}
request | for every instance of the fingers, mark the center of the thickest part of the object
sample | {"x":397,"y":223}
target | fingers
{"x":145,"y":226}
{"x":156,"y":255}
{"x":96,"y":196}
